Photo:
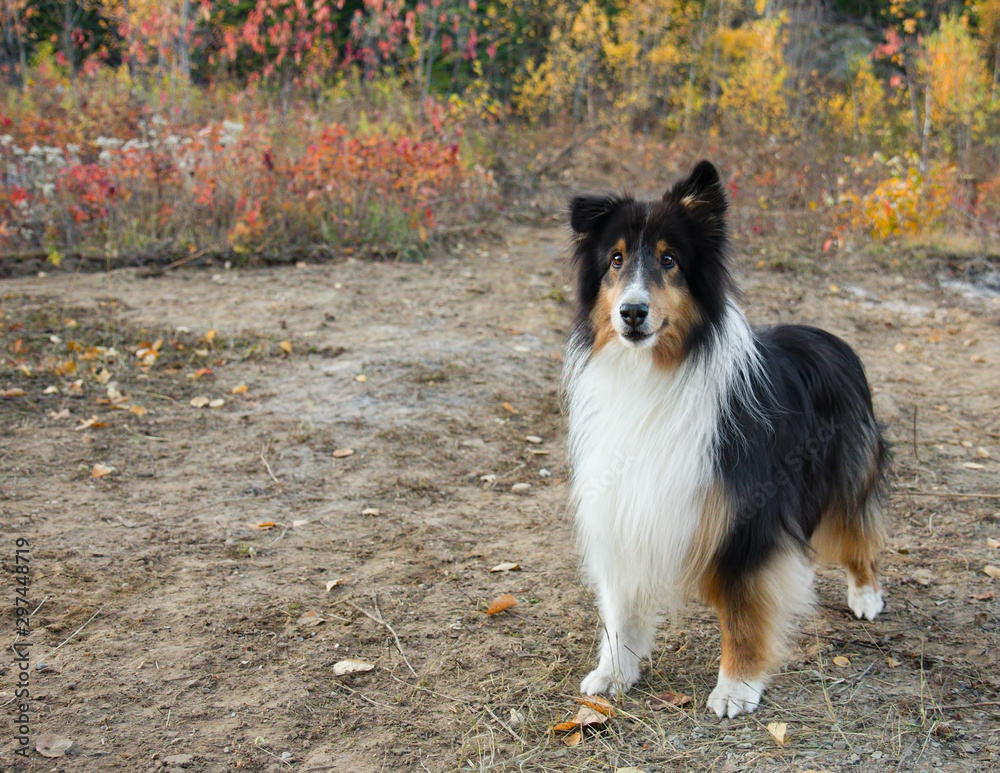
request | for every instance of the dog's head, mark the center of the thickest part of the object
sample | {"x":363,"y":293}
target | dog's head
{"x":653,"y":274}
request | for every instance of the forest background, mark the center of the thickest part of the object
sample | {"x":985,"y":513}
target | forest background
{"x":163,"y":130}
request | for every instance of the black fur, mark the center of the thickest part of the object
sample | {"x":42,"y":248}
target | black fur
{"x":808,"y":446}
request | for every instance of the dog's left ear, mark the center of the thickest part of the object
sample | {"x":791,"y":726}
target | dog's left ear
{"x":701,"y":195}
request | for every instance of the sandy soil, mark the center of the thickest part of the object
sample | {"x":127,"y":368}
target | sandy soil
{"x":172,"y":634}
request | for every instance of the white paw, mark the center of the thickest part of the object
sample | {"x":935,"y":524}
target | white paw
{"x":603,"y":681}
{"x":732,"y":697}
{"x":864,"y":601}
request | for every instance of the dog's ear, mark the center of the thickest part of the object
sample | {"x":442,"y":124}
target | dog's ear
{"x":589,"y":213}
{"x":701,"y":195}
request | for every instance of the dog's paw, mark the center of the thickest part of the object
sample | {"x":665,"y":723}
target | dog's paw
{"x":865,"y":601}
{"x":603,"y":681}
{"x":732,"y":697}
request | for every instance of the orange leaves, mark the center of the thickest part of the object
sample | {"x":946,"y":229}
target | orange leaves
{"x":593,"y":712}
{"x":500,"y":604}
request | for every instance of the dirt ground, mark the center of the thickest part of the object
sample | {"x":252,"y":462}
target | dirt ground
{"x":171,"y":633}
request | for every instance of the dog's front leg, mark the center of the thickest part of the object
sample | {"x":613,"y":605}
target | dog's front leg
{"x":629,"y":625}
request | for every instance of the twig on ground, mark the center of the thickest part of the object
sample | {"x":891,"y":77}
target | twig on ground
{"x":268,"y":466}
{"x":381,"y":621}
{"x":53,"y":652}
{"x":505,"y":726}
{"x":947,"y":494}
{"x":274,"y":542}
{"x":916,"y":454}
{"x":972,"y":428}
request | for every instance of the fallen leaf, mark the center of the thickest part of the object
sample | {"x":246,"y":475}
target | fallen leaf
{"x":310,"y":619}
{"x":263,"y":525}
{"x":218,"y":402}
{"x":893,"y":663}
{"x":574,"y":739}
{"x":138,"y":410}
{"x":63,"y":414}
{"x":114,"y":393}
{"x":597,"y":703}
{"x":239,"y":390}
{"x":331,"y":584}
{"x":499,"y":604}
{"x":199,"y":373}
{"x":351,"y":667}
{"x":534,"y":439}
{"x":506,"y":566}
{"x":834,"y":289}
{"x":342,"y":453}
{"x":52,"y":389}
{"x":286,"y":346}
{"x":987,"y":596}
{"x":520,"y":488}
{"x":93,"y":421}
{"x":199,"y":402}
{"x":371,"y":511}
{"x":49,"y":745}
{"x":100,"y":470}
{"x":992,"y":543}
{"x":669,"y":699}
{"x":510,"y":408}
{"x":977,"y":358}
{"x":565,"y":727}
{"x":841,"y":661}
{"x":899,"y":348}
{"x":982,"y":453}
{"x":778,"y":731}
{"x":361,"y":378}
{"x":9,"y":394}
{"x":992,"y":571}
{"x":299,"y":522}
{"x":974,"y":466}
{"x":587,"y":716}
{"x":209,"y":336}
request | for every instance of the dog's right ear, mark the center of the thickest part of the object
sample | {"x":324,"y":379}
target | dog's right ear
{"x":589,"y":213}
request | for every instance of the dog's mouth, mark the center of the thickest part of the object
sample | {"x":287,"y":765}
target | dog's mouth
{"x":636,"y":336}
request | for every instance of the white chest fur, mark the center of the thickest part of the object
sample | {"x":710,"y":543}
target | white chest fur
{"x":641,"y":444}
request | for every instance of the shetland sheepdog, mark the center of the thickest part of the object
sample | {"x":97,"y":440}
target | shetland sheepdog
{"x":710,"y":458}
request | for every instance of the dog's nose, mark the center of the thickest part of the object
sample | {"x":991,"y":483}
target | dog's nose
{"x":634,"y":314}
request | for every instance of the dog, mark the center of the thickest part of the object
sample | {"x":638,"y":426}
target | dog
{"x":709,"y":458}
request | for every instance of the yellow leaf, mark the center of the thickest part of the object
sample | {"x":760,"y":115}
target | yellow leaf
{"x":210,"y":335}
{"x":100,"y":470}
{"x":778,"y":731}
{"x":138,"y":410}
{"x":841,"y":661}
{"x":286,"y":346}
{"x":992,"y":571}
{"x":573,"y":740}
{"x":510,"y":408}
{"x":239,"y":390}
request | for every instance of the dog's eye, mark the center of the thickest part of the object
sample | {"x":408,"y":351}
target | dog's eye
{"x":617,"y":259}
{"x":667,"y":260}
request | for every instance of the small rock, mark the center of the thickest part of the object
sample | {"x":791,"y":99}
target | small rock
{"x":543,"y":473}
{"x":179,"y":760}
{"x":371,"y":511}
{"x":840,"y":744}
{"x":533,"y":439}
{"x":521,"y":488}
{"x":342,"y":453}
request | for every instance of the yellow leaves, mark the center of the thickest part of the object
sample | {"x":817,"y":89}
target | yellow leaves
{"x":841,"y":661}
{"x":239,"y":390}
{"x":286,"y":346}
